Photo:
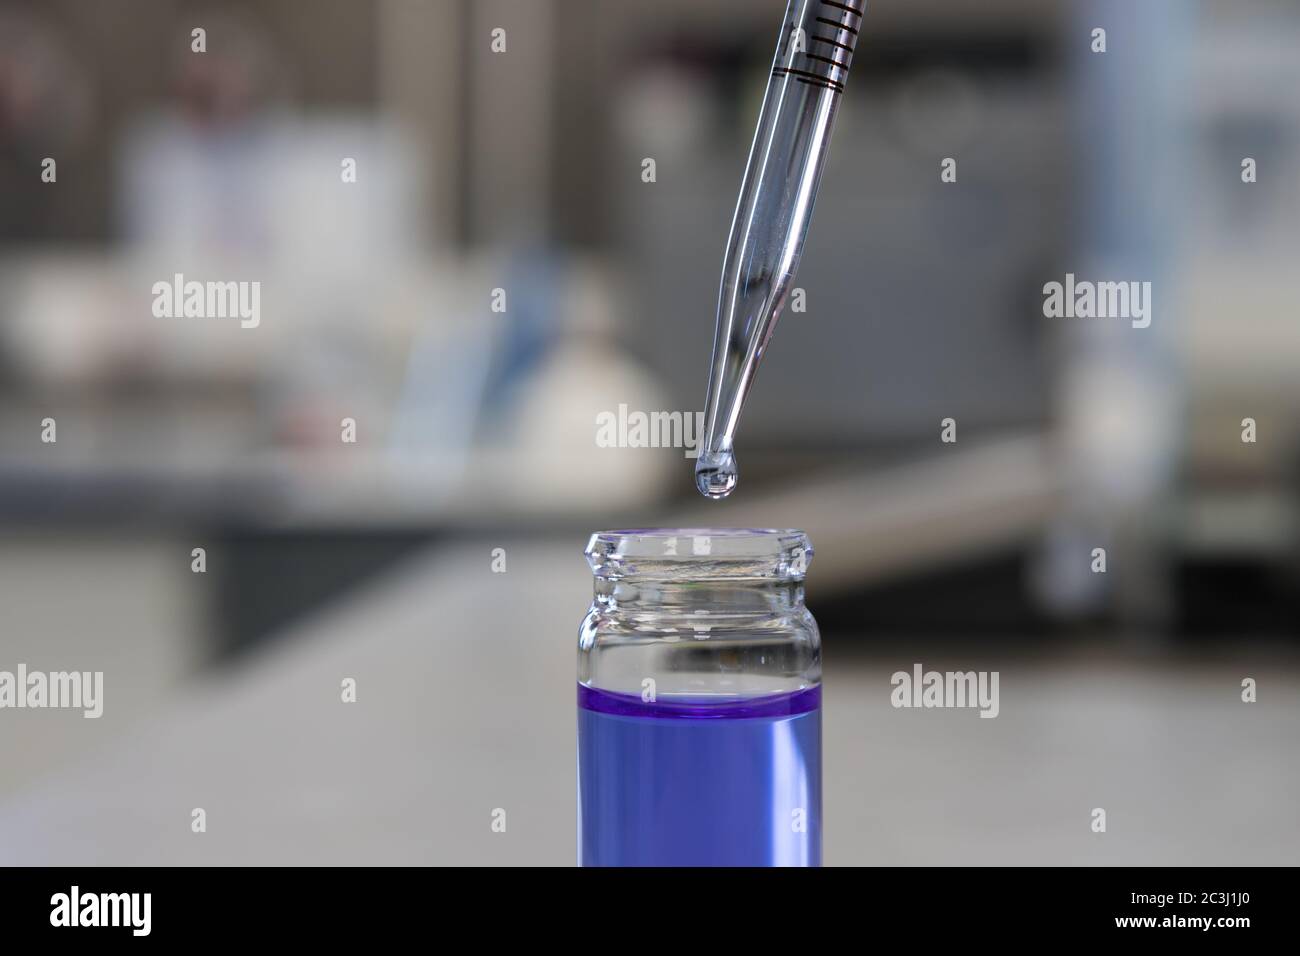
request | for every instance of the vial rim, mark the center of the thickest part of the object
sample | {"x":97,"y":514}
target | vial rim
{"x":700,"y":553}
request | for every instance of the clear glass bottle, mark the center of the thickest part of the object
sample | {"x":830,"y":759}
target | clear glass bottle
{"x":699,"y":701}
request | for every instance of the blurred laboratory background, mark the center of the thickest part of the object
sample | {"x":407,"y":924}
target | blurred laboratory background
{"x":503,"y":272}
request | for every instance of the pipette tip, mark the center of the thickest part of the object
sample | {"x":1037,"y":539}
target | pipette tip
{"x":715,"y":474}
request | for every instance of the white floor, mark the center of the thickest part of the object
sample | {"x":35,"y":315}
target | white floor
{"x":465,"y":705}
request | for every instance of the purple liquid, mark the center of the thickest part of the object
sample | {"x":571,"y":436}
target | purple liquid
{"x":695,"y":782}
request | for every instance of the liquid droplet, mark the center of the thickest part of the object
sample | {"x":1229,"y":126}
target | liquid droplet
{"x":715,"y":474}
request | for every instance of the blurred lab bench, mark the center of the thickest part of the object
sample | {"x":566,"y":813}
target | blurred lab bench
{"x":465,"y":704}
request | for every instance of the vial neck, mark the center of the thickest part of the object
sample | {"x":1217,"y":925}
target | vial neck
{"x":714,"y":597}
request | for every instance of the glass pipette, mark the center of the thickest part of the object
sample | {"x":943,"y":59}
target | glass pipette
{"x":776,"y":200}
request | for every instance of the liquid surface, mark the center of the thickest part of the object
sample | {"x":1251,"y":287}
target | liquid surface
{"x":699,"y":782}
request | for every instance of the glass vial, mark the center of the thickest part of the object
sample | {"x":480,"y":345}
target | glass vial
{"x":699,"y":701}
